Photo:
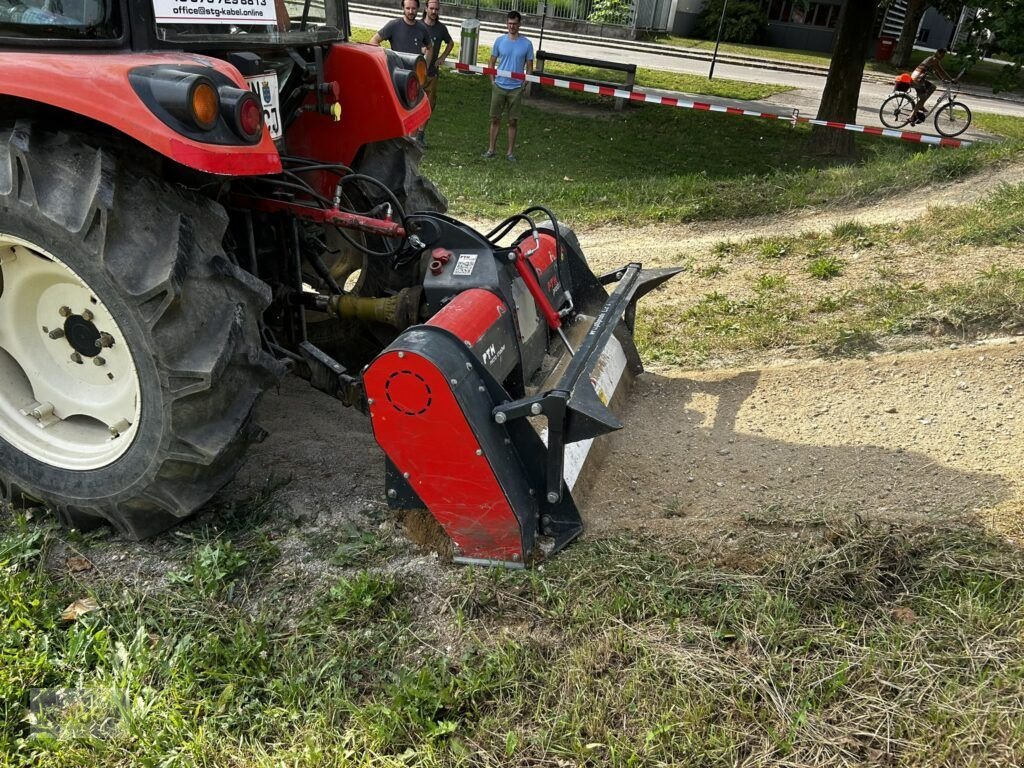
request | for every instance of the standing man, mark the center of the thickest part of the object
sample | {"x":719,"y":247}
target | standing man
{"x":514,"y":53}
{"x":407,"y":34}
{"x":438,"y":35}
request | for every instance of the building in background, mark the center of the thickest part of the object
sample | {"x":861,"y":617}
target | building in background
{"x":810,"y":25}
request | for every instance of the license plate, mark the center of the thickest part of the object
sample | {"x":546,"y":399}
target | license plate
{"x":265,"y":88}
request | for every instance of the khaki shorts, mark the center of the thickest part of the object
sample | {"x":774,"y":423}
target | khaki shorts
{"x":502,"y":99}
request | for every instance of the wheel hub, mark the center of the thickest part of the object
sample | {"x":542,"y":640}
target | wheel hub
{"x":82,"y":335}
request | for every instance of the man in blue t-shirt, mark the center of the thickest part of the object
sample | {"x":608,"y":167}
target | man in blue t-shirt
{"x":513,"y":53}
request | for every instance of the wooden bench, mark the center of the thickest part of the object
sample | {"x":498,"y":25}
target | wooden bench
{"x":629,"y":69}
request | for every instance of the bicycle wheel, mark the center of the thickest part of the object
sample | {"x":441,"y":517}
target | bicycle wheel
{"x":952,"y":119}
{"x":896,"y":110}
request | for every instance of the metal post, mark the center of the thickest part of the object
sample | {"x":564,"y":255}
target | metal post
{"x":721,"y":23}
{"x":542,"y":7}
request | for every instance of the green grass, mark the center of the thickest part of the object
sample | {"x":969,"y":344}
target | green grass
{"x":758,"y":51}
{"x":1006,"y":126}
{"x":720,"y":325}
{"x":672,"y":81}
{"x":650,"y":163}
{"x":825,"y":267}
{"x":654,"y":164}
{"x":861,"y":643}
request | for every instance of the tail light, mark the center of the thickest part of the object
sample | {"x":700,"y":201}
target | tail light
{"x":408,"y":87}
{"x":200,"y":103}
{"x":242,"y":111}
{"x":412,"y":90}
{"x":409,"y":74}
{"x":250,"y":117}
{"x":189,"y":97}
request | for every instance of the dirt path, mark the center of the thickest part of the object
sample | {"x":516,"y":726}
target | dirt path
{"x":665,"y":245}
{"x":924,"y":437}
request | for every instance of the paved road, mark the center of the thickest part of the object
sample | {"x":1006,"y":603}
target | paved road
{"x":808,"y":80}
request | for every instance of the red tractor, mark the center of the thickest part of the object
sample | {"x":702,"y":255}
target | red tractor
{"x":197,"y":198}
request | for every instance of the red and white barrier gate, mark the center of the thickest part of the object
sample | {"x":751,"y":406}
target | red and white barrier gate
{"x":649,"y":98}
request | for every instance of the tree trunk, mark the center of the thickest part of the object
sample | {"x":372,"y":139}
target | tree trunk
{"x":842,"y":88}
{"x":905,"y":46}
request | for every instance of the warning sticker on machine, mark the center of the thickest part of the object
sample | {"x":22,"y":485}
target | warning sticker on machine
{"x":215,"y":11}
{"x":464,"y":266}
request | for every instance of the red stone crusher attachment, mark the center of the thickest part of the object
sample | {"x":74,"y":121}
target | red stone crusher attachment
{"x":488,"y":411}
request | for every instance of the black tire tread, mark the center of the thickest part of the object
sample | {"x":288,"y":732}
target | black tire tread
{"x":396,"y":163}
{"x":161,"y":248}
{"x":952,"y":105}
{"x":883,"y":113}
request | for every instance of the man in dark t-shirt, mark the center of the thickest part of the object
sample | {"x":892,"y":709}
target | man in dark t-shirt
{"x":440,"y":46}
{"x":407,"y":34}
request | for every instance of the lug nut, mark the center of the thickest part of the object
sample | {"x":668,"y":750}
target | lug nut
{"x":42,"y":411}
{"x":87,"y":315}
{"x":98,"y":361}
{"x":64,"y":311}
{"x":56,"y":333}
{"x":105,"y":341}
{"x":77,"y":358}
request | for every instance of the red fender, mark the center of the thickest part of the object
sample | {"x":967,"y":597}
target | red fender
{"x":370,"y":109}
{"x":96,"y":86}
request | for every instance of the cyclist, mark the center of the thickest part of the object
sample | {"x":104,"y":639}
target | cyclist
{"x":923,"y":85}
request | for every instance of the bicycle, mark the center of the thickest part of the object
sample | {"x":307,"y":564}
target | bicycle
{"x":951,"y":117}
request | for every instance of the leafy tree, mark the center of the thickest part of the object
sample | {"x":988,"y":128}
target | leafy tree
{"x":611,"y":12}
{"x":1004,"y":19}
{"x":745,"y":22}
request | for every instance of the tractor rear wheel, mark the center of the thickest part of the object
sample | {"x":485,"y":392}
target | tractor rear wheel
{"x":130,"y":350}
{"x":396,"y":163}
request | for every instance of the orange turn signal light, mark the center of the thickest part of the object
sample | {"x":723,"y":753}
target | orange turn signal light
{"x":205,"y":104}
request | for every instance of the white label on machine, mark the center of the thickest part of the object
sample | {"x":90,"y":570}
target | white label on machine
{"x":608,"y":373}
{"x":215,"y":12}
{"x":265,"y":88}
{"x":465,"y":265}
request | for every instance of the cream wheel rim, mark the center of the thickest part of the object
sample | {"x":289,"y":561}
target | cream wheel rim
{"x":69,"y":388}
